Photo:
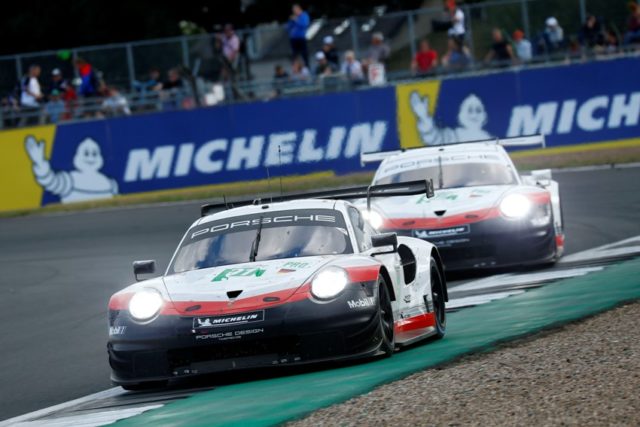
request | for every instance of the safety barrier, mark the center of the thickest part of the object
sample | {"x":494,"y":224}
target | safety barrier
{"x":580,"y":103}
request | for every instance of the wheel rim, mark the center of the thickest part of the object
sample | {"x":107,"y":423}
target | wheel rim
{"x":386,"y":314}
{"x":438,"y":299}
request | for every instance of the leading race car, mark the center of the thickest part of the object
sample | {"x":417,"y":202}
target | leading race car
{"x":484,"y":215}
{"x":273,"y":284}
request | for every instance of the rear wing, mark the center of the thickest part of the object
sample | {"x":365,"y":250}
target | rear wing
{"x":383,"y":190}
{"x":519,"y":141}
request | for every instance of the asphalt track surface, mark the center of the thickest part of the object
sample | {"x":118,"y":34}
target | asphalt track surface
{"x":58,"y":271}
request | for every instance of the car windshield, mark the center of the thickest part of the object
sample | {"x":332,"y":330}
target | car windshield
{"x":261,"y":237}
{"x":456,"y":175}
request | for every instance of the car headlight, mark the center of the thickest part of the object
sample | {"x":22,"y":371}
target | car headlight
{"x":515,"y":206}
{"x":145,"y":304}
{"x":373,"y":218}
{"x":329,"y":283}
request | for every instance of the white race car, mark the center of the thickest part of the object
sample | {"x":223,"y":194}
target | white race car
{"x":483,"y":215}
{"x":285,"y":282}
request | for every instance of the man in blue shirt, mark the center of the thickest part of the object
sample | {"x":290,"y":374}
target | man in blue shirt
{"x":297,"y":27}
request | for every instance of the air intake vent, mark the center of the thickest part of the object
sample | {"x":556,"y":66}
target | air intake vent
{"x":440,"y":213}
{"x":233,"y":294}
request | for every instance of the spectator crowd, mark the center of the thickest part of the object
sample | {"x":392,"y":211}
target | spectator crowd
{"x":84,"y":92}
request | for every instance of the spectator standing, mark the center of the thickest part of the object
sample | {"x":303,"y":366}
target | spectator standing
{"x":352,"y":68}
{"x":501,"y":51}
{"x":378,"y":51}
{"x":457,"y":56}
{"x":54,"y":107}
{"x":457,"y":30}
{"x":633,"y":25}
{"x":591,"y":35}
{"x":89,"y":84}
{"x":297,"y":26}
{"x":174,"y":81}
{"x":611,"y":42}
{"x":553,"y":35}
{"x":330,"y":52}
{"x":231,"y":47}
{"x":425,"y":59}
{"x":522,"y":46}
{"x":31,"y":96}
{"x":299,"y":71}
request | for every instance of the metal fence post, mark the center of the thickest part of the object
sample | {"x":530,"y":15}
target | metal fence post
{"x":18,"y":68}
{"x":469,"y":31}
{"x":583,"y":11}
{"x":131,"y":65}
{"x":185,"y":51}
{"x":412,"y":34}
{"x":354,"y":36}
{"x":525,"y":19}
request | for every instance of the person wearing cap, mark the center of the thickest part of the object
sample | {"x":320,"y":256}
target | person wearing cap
{"x":522,"y":46}
{"x":57,"y":82}
{"x":54,"y":108}
{"x":330,"y":51}
{"x":323,"y":67}
{"x":457,"y":30}
{"x":379,"y":51}
{"x":553,"y":34}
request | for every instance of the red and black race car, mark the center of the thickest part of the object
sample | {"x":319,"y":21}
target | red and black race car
{"x":278,"y":284}
{"x":483,"y":215}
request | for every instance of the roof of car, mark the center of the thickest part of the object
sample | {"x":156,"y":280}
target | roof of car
{"x":270,"y":207}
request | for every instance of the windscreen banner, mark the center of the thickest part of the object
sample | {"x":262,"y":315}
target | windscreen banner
{"x":598,"y":101}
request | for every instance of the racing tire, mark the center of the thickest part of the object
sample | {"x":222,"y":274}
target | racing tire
{"x":437,"y":293}
{"x":385,"y":314}
{"x":149,"y":385}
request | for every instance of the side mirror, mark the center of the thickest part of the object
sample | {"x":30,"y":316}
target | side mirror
{"x":385,"y":239}
{"x":542,"y":177}
{"x":143,"y":267}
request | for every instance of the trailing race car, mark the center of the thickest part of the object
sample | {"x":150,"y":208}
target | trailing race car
{"x":299,"y":280}
{"x":483,"y":215}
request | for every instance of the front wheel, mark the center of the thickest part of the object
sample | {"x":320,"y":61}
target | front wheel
{"x":385,"y":313}
{"x":437,"y":293}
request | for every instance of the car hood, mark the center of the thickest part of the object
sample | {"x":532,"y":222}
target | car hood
{"x":449,"y":205}
{"x":241,"y":286}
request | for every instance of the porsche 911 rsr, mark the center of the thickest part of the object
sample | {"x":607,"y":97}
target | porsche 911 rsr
{"x":483,"y":215}
{"x":276,"y":284}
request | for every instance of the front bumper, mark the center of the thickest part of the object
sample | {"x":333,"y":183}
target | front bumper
{"x":289,"y":334}
{"x":493,"y":243}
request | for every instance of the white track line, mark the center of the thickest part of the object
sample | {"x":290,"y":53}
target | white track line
{"x":523,"y":279}
{"x":115,"y":391}
{"x":480,"y":299}
{"x":89,"y":419}
{"x":605,"y":251}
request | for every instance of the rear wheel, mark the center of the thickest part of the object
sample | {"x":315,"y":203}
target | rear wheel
{"x":385,"y":312}
{"x":437,"y":292}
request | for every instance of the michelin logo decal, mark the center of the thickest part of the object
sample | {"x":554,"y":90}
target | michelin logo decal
{"x":84,"y":183}
{"x":472,"y":117}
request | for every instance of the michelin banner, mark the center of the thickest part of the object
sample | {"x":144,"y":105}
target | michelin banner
{"x":571,"y":104}
{"x":242,"y":142}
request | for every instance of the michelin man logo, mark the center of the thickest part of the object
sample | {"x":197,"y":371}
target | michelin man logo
{"x":84,"y":183}
{"x":472,"y":117}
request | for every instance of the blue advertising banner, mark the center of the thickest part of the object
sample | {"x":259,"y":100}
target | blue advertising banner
{"x":219,"y":145}
{"x":596,"y":101}
{"x":570,"y":104}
